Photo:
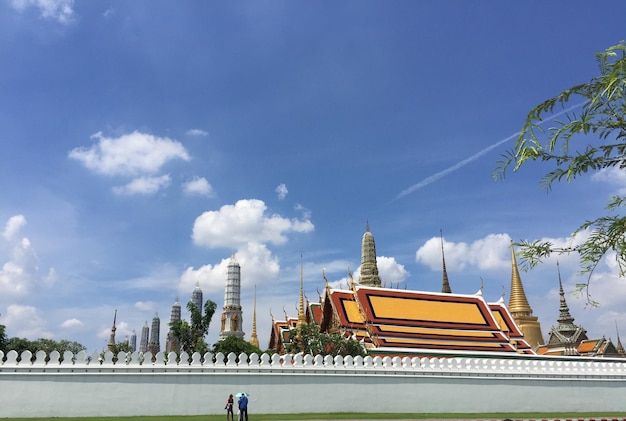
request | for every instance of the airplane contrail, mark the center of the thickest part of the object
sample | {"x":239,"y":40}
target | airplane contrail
{"x":432,"y":178}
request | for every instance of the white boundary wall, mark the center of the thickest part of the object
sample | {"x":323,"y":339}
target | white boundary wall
{"x":82,"y":386}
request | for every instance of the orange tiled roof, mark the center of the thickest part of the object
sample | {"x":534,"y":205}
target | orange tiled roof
{"x":588,"y":346}
{"x":436,"y":321}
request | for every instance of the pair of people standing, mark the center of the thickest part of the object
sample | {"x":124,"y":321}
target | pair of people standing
{"x":242,"y":403}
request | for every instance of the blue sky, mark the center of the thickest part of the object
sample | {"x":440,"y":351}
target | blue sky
{"x":145,"y":142}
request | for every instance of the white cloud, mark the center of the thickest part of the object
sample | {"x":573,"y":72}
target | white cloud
{"x":59,"y":10}
{"x":245,"y":222}
{"x":145,"y":305}
{"x":489,"y":253}
{"x":143,"y":185}
{"x":25,"y":322}
{"x":389,"y":271}
{"x":130,"y":154}
{"x":122,"y":331}
{"x":282,"y":191}
{"x":613,"y":176}
{"x":199,"y":186}
{"x":197,"y":132}
{"x":72,"y":324}
{"x":258,"y":266}
{"x":13,"y":227}
{"x":20,"y":274}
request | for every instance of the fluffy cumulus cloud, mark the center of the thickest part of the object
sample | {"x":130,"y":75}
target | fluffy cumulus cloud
{"x":143,"y":185}
{"x":198,"y":186}
{"x":489,"y":253}
{"x":258,"y":266}
{"x":245,"y":222}
{"x":60,"y":10}
{"x":13,"y":227}
{"x":131,"y":154}
{"x":25,"y":322}
{"x":390,"y":272}
{"x":282,"y":191}
{"x":72,"y":324}
{"x":20,"y":274}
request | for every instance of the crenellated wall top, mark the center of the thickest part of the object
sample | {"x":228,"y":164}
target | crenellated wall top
{"x":136,"y":361}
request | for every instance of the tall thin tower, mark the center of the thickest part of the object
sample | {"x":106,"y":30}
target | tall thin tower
{"x":111,"y":343}
{"x":445,"y":284}
{"x":520,"y":309}
{"x":196,"y":297}
{"x":232,"y":318}
{"x":301,"y":316}
{"x":369,"y":269}
{"x":143,"y":342}
{"x":172,"y":342}
{"x":154,"y":345}
{"x":133,"y":341}
{"x":254,"y":340}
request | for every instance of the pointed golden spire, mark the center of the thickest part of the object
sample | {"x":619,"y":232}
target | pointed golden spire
{"x":351,"y":283}
{"x":254,"y":340}
{"x":520,"y":309}
{"x":518,"y":303}
{"x":445,"y":286}
{"x":301,"y":316}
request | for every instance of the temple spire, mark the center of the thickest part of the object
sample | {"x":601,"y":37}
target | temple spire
{"x":111,"y":343}
{"x":565,"y":318}
{"x":520,"y":309}
{"x":301,"y":315}
{"x":232,"y":314}
{"x":254,"y":340}
{"x":445,"y":286}
{"x":518,"y":303}
{"x":369,"y":269}
{"x":619,"y":346}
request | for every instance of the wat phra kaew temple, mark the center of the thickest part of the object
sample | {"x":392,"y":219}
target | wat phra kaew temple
{"x":426,"y":353}
{"x":442,"y":324}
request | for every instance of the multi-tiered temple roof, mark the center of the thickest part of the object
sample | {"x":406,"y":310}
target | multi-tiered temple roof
{"x":404,"y":322}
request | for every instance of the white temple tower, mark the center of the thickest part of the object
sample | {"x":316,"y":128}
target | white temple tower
{"x":232,"y":319}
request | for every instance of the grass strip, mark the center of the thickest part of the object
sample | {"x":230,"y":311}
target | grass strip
{"x":344,"y":416}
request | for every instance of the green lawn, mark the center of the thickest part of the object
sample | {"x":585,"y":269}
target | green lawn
{"x":344,"y":416}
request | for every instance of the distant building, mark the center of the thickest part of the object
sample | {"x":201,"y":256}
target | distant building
{"x":567,"y":338}
{"x":172,"y":342}
{"x":154,"y":345}
{"x":111,"y":343}
{"x":196,"y":297}
{"x":133,"y":341}
{"x":143,"y":343}
{"x":232,"y":318}
{"x":396,"y":322}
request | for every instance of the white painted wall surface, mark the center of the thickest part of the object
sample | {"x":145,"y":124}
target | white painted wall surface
{"x":306,"y":384}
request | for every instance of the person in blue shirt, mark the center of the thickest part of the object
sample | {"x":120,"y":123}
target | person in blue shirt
{"x":243,"y":408}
